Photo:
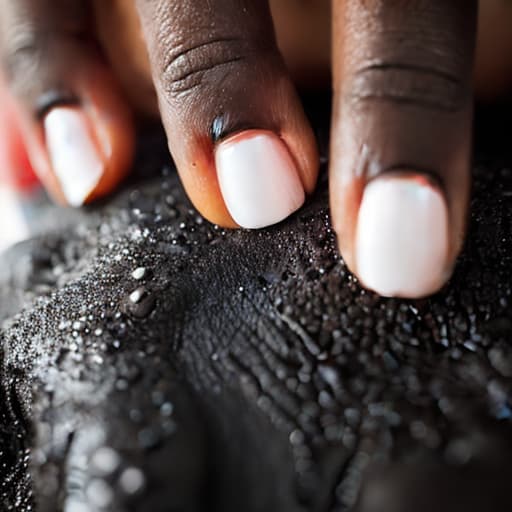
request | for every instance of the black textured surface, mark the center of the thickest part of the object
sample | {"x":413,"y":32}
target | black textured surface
{"x":249,"y":371}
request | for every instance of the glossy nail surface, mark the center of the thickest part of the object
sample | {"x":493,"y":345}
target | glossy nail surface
{"x":258,"y":178}
{"x":73,"y":155}
{"x":402,"y":236}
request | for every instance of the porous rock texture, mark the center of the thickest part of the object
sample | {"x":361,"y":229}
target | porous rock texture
{"x":150,"y":361}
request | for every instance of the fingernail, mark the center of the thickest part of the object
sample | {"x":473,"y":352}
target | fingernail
{"x":402,"y":236}
{"x":73,"y":155}
{"x":258,"y":179}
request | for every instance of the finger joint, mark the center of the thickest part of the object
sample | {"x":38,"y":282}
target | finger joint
{"x":186,"y":68}
{"x":408,"y":84}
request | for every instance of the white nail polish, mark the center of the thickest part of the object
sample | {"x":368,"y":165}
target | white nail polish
{"x":73,"y":155}
{"x":258,"y":179}
{"x":402,"y":236}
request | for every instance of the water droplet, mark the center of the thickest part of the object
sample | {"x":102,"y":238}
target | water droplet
{"x":132,"y":480}
{"x":501,"y":360}
{"x":122,"y":384}
{"x":297,"y":437}
{"x":99,"y":493}
{"x":137,"y":295}
{"x":470,"y":346}
{"x":77,"y":325}
{"x":158,"y":398}
{"x":166,"y":409}
{"x":148,"y":438}
{"x":458,"y":452}
{"x":139,"y":273}
{"x":64,"y":324}
{"x":170,"y":200}
{"x":76,"y":504}
{"x":140,"y":303}
{"x":105,"y":460}
{"x":96,"y":358}
{"x":136,"y":415}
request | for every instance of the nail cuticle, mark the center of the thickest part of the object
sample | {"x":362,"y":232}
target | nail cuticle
{"x":55,"y":99}
{"x":223,"y":127}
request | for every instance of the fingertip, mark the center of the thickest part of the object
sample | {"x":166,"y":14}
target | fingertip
{"x":304,"y":151}
{"x":258,"y":178}
{"x":82,"y":151}
{"x":249,"y":179}
{"x":232,"y":81}
{"x":113,"y":128}
{"x":15,"y":167}
{"x":402,"y":236}
{"x":202,"y":188}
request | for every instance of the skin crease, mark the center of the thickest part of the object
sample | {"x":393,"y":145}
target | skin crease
{"x":303,"y":34}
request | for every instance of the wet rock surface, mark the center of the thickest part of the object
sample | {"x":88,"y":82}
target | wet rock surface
{"x":152,"y":361}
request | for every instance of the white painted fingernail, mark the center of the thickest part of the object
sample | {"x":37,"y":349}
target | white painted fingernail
{"x":258,"y":179}
{"x":73,"y":155}
{"x":402,"y":236}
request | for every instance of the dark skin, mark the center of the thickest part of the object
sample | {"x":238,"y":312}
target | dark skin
{"x":403,"y":94}
{"x":411,"y":99}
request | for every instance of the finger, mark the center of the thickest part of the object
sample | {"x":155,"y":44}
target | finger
{"x":236,"y":130}
{"x":76,"y":126}
{"x":126,"y":53}
{"x":15,"y":168}
{"x":400,"y":151}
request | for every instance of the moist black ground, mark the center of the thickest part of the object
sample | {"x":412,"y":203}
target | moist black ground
{"x":152,"y":361}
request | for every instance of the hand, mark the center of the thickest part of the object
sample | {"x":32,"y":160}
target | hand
{"x":401,"y":121}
